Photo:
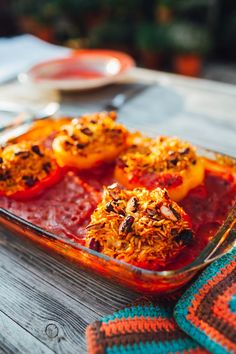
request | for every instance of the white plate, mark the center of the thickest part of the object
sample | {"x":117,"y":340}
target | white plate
{"x":83,"y":70}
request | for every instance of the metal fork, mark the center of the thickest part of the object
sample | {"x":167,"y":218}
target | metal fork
{"x":119,"y":100}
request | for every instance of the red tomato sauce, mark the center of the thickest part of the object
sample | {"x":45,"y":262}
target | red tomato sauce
{"x":70,"y":73}
{"x":151,"y":180}
{"x":65,"y":209}
{"x":208,"y":206}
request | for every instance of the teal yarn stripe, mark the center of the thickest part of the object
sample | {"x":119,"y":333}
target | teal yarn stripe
{"x":150,"y":311}
{"x":182,"y":307}
{"x":174,"y":346}
{"x":232,"y":304}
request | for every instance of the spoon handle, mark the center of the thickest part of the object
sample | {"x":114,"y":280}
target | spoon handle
{"x":20,"y":119}
{"x":28,"y":117}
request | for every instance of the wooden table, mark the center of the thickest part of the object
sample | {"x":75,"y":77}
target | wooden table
{"x":46,"y":302}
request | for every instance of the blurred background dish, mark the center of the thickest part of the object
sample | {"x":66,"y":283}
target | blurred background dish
{"x":190,"y":37}
{"x":83,"y":70}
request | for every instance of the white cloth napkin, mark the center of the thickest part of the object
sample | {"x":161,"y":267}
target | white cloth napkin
{"x":19,"y":53}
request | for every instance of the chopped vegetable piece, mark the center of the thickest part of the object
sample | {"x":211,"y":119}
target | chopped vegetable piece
{"x":89,"y":141}
{"x":153,"y":230}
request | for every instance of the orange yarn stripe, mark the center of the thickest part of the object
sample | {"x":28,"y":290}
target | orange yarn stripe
{"x":93,"y":345}
{"x":136,"y":324}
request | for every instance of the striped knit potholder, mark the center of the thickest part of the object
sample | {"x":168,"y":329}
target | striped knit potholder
{"x":207,"y":310}
{"x":140,"y":329}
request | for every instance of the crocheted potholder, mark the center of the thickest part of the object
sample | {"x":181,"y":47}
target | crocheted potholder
{"x":207,"y":310}
{"x":140,"y":329}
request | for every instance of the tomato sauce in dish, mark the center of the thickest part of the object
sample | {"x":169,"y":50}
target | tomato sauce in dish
{"x":208,"y":206}
{"x":99,"y":176}
{"x":65,"y":209}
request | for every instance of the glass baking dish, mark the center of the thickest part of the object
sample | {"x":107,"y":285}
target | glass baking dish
{"x":138,"y":279}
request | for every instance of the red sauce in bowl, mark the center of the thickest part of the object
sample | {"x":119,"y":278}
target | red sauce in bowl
{"x":66,"y":208}
{"x":71,"y":73}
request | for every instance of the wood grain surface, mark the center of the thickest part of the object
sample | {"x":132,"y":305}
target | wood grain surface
{"x":45,"y":301}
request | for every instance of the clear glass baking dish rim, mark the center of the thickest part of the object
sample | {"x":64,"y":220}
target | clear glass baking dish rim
{"x":201,"y":261}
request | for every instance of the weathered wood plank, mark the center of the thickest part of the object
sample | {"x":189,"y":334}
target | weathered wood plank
{"x":51,"y":298}
{"x":185,"y":113}
{"x":65,"y":276}
{"x":15,"y":340}
{"x":39,"y":308}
